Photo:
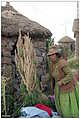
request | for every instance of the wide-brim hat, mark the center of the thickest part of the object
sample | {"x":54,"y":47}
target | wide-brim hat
{"x":52,"y":50}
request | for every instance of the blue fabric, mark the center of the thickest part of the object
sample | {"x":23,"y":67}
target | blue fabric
{"x":55,"y":115}
{"x":33,"y":112}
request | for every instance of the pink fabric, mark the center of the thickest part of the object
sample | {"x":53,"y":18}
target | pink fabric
{"x":51,"y":98}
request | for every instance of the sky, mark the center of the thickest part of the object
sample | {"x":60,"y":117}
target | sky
{"x":57,"y":16}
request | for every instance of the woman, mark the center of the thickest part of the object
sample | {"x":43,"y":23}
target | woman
{"x":66,"y":86}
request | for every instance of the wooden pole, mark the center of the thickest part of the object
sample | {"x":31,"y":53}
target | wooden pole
{"x":77,"y":9}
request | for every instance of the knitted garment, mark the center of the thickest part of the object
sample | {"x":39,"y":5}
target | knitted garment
{"x":61,"y":63}
{"x":64,"y":74}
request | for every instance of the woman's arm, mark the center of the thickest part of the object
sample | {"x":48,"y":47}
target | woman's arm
{"x":67,"y":75}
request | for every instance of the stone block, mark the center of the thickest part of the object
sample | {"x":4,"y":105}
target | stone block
{"x":38,"y":52}
{"x":39,"y":60}
{"x":3,"y":43}
{"x":39,"y":44}
{"x":6,"y":70}
{"x":6,"y":60}
{"x":6,"y":52}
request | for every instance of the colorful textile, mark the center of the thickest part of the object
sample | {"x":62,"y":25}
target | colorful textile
{"x":33,"y":112}
{"x":43,"y":107}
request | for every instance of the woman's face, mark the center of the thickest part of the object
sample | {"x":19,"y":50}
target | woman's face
{"x":53,"y":58}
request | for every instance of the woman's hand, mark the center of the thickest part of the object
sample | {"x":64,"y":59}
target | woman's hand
{"x":59,"y":83}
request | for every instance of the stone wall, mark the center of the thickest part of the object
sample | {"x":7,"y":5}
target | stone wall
{"x":40,"y":48}
{"x":8,"y":48}
{"x":70,"y":46}
{"x":6,"y":65}
{"x":8,"y":44}
{"x":6,"y":73}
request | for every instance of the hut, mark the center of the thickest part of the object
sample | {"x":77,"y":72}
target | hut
{"x":76,"y":35}
{"x":67,"y":42}
{"x":11,"y":22}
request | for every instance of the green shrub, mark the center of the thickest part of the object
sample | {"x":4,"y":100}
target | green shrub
{"x":73,"y":63}
{"x":31,"y":98}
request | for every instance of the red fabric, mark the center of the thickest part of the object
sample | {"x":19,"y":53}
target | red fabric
{"x":43,"y":107}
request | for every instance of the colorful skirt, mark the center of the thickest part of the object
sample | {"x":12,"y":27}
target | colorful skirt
{"x":67,"y":104}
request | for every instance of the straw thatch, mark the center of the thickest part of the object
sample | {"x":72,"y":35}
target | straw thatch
{"x":12,"y":20}
{"x":66,"y":39}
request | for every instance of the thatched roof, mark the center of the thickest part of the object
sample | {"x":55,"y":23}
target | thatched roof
{"x":12,"y":20}
{"x":66,"y":39}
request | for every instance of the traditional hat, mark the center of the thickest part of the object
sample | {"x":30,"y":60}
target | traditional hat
{"x":52,"y":50}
